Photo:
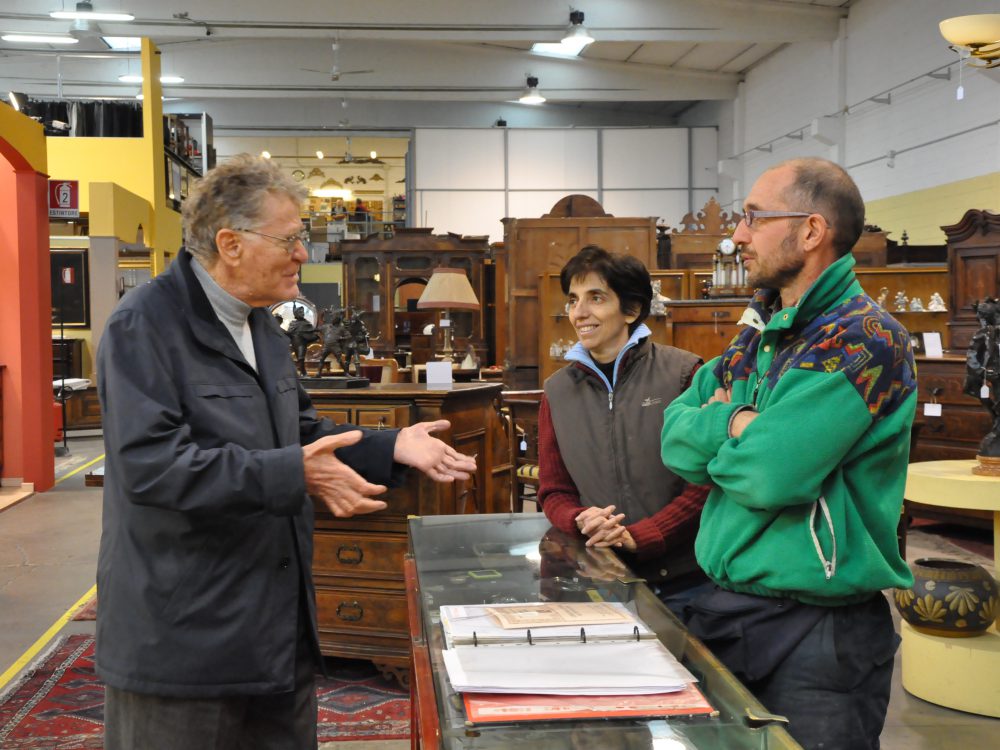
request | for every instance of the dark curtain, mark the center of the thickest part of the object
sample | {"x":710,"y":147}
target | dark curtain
{"x":91,"y":119}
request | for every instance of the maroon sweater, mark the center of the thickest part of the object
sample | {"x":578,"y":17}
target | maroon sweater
{"x":559,"y":498}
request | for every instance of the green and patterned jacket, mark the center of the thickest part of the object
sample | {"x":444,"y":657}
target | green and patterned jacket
{"x":806,"y":501}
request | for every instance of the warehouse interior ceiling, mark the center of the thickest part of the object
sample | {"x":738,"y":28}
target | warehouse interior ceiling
{"x":268,"y":65}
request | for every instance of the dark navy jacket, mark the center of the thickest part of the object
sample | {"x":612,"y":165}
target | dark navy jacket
{"x":206,"y":547}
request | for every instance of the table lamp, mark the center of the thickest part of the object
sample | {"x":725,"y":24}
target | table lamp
{"x":448,"y":289}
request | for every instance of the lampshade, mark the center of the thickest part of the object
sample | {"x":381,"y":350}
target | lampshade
{"x":966,"y":31}
{"x":979,"y":33}
{"x":448,"y":288}
{"x":531,"y":94}
{"x":576,"y":35}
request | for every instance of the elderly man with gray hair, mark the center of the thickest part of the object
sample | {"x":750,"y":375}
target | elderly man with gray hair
{"x":206,"y":634}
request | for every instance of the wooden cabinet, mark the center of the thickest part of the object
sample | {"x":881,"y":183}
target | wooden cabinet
{"x":704,"y":327}
{"x":83,"y":410}
{"x":358,"y":562}
{"x":974,"y":263}
{"x":383,"y":276}
{"x":963,"y":423}
{"x":542,"y":246}
{"x":955,"y":434}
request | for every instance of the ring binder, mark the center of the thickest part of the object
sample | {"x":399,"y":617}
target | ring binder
{"x":583,"y":636}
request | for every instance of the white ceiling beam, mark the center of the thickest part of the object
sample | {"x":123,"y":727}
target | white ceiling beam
{"x":468,"y":20}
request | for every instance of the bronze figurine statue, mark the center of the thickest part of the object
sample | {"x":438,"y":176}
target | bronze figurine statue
{"x":982,"y":379}
{"x":302,"y":333}
{"x":335,"y":335}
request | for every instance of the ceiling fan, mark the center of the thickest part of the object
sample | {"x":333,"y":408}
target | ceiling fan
{"x":335,"y":71}
{"x":349,"y":158}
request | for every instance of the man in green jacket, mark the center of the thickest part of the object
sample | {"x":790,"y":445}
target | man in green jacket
{"x":803,"y":428}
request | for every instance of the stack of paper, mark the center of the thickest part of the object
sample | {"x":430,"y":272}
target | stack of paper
{"x":612,"y":668}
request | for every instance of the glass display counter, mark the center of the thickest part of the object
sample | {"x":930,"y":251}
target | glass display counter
{"x":507,"y":558}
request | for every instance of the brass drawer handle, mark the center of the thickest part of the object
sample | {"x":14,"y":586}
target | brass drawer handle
{"x":350,"y":611}
{"x":350,"y":555}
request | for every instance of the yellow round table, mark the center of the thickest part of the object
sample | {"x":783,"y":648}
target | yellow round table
{"x":961,"y":673}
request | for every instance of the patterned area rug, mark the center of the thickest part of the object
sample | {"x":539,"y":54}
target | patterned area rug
{"x":59,"y":705}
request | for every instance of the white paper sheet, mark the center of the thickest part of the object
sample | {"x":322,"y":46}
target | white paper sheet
{"x":625,"y":668}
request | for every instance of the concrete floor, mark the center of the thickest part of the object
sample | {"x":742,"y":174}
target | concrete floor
{"x":48,"y":559}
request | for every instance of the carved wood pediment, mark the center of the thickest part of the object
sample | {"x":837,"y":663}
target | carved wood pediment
{"x":974,"y":221}
{"x":710,"y":220}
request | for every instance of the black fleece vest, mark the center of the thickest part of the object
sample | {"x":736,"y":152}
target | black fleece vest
{"x":613,"y":454}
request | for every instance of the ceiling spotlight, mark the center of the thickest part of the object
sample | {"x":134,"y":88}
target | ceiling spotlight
{"x":171,"y":79}
{"x":40,"y":38}
{"x":576,"y":33}
{"x":319,"y":155}
{"x":531,"y":94}
{"x":265,"y":154}
{"x":85,"y":11}
{"x":373,"y":154}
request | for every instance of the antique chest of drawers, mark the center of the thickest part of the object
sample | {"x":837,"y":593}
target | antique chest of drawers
{"x":358,"y":562}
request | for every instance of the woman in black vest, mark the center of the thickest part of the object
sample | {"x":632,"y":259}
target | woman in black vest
{"x":600,"y":471}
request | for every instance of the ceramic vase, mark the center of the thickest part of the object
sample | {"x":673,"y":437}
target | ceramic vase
{"x":948,"y":598}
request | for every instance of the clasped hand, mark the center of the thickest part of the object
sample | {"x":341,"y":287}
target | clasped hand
{"x":346,"y":493}
{"x":604,"y":528}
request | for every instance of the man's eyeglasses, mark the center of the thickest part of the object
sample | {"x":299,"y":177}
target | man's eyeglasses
{"x":751,"y":215}
{"x":287,"y":243}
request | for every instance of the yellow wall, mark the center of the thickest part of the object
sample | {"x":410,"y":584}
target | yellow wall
{"x":25,"y":135}
{"x":135,"y":164}
{"x":323,"y":273}
{"x":922,"y":213}
{"x":116,"y":212}
{"x":119,"y":160}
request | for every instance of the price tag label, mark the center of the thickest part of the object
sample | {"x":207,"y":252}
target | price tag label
{"x":932,"y":410}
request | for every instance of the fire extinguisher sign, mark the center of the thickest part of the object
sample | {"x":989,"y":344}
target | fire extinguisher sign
{"x":64,"y":199}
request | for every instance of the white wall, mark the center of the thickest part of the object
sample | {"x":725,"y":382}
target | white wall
{"x":884,"y":44}
{"x":467,"y":180}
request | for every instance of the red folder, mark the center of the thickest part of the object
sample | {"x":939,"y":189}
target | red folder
{"x":487,"y":708}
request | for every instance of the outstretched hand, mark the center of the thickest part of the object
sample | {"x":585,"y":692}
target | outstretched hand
{"x":416,"y":447}
{"x":328,"y":479}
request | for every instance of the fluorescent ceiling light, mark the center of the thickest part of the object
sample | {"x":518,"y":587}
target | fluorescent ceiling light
{"x":85,"y":11}
{"x":134,"y":78}
{"x":123,"y":43}
{"x":40,"y":38}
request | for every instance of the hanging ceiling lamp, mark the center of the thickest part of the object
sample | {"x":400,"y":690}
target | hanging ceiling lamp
{"x":978,"y":36}
{"x":576,"y":35}
{"x":531,"y":94}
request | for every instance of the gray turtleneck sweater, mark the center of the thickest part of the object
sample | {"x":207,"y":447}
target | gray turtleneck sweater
{"x":233,"y":313}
